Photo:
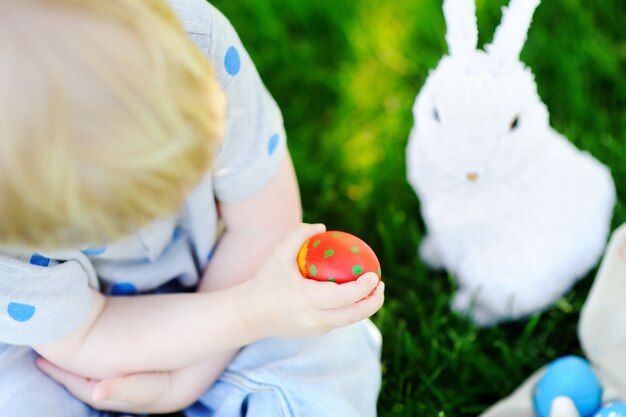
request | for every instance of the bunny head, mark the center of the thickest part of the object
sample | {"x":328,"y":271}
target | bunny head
{"x":478,"y":115}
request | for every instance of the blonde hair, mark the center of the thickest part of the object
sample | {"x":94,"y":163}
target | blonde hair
{"x":109,"y":116}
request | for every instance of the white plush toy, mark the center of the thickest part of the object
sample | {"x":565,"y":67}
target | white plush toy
{"x":512,"y":208}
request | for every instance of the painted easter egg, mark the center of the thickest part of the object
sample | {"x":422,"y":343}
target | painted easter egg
{"x":569,"y":376}
{"x":612,"y":409}
{"x":336,"y":257}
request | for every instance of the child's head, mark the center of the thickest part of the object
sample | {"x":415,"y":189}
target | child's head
{"x":108,"y":117}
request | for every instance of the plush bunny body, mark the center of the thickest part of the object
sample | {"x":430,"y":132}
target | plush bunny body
{"x":512,"y":208}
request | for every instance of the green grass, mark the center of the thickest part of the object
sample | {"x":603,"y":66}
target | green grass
{"x":345,"y":74}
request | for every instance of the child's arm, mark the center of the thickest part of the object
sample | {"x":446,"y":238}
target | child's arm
{"x":276,"y":302}
{"x":252,"y":227}
{"x":162,"y":332}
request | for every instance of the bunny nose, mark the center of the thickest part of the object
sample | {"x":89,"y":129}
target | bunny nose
{"x":472,"y":176}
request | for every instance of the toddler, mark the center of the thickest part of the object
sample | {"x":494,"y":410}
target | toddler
{"x":125,"y":152}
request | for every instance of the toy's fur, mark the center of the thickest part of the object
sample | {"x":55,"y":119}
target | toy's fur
{"x":512,"y":208}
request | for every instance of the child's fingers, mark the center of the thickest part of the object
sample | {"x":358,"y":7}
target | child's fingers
{"x":363,"y":309}
{"x":325,"y":295}
{"x":290,"y":247}
{"x":137,"y":390}
{"x":78,"y":386}
{"x":112,"y":395}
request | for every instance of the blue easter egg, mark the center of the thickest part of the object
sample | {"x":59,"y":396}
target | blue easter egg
{"x":613,"y":409}
{"x":569,"y":376}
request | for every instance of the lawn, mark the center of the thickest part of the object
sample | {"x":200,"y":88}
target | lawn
{"x":345,"y":74}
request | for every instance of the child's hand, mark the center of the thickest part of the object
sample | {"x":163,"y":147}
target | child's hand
{"x":280,"y":302}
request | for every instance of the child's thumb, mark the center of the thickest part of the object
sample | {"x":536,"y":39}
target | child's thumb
{"x":137,"y":390}
{"x":294,"y":241}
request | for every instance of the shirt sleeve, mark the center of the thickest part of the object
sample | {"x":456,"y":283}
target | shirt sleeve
{"x":255,"y":141}
{"x":42,"y":299}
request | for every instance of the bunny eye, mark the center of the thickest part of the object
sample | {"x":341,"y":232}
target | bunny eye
{"x":436,"y":115}
{"x":514,"y":123}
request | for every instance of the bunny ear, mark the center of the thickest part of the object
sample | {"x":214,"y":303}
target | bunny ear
{"x":511,"y":34}
{"x":462,"y":32}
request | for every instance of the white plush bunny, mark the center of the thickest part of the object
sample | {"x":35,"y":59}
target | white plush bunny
{"x":512,"y":208}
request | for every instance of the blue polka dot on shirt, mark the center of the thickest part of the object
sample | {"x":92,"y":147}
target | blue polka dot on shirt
{"x":123,"y":288}
{"x":232,"y":61}
{"x":39,"y":260}
{"x":95,"y":251}
{"x":273,"y":144}
{"x":21,"y":312}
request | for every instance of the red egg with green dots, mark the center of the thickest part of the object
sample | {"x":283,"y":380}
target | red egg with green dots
{"x":336,"y":257}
